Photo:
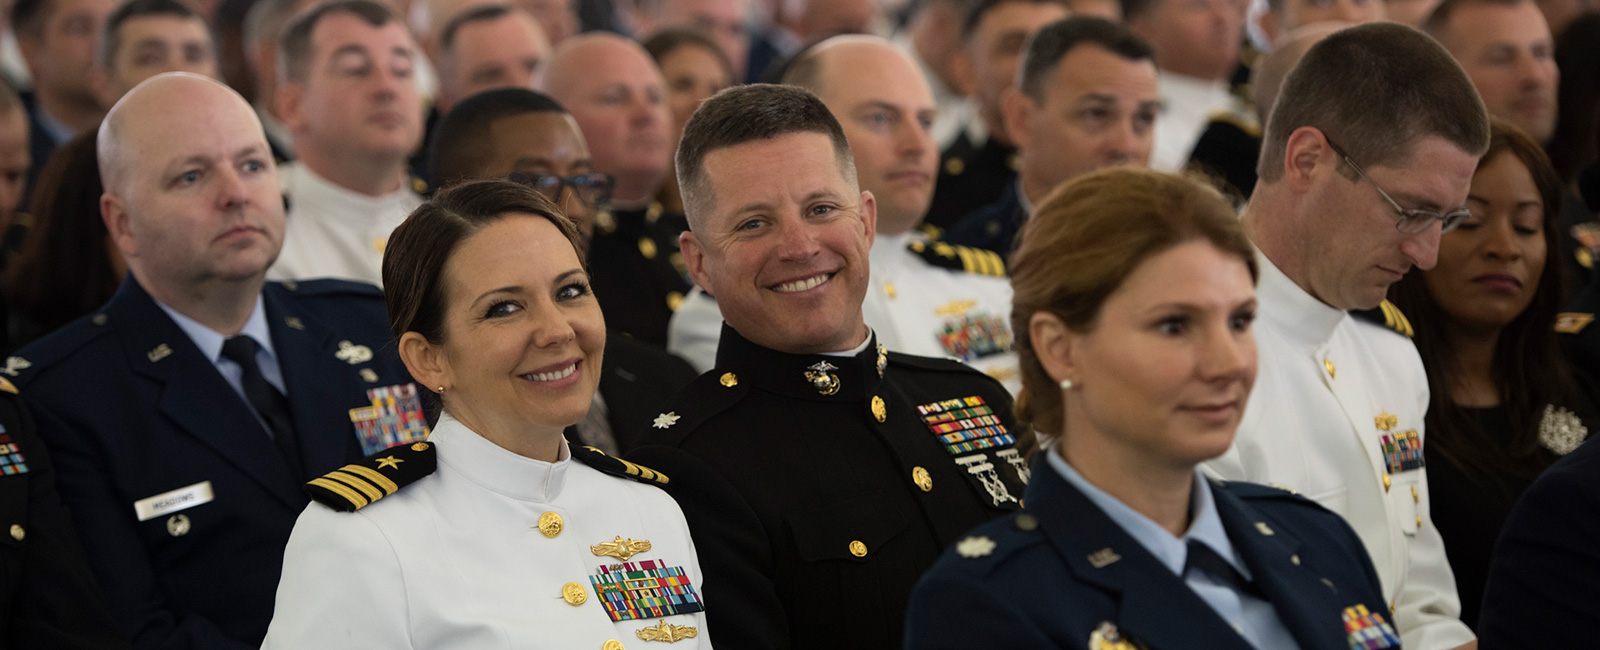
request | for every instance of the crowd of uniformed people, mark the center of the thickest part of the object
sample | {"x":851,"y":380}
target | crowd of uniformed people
{"x":606,"y":324}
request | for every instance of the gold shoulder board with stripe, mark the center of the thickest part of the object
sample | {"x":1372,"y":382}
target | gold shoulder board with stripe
{"x":1393,"y":319}
{"x":617,"y":466}
{"x":357,"y":485}
{"x":1571,"y":322}
{"x":960,"y":258}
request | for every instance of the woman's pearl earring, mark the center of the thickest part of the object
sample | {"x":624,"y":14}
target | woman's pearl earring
{"x":1066,"y":384}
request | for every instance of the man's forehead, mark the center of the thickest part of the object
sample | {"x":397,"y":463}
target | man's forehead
{"x":336,"y":31}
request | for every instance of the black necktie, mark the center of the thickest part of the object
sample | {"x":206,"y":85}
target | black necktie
{"x":1202,"y":558}
{"x":270,"y":404}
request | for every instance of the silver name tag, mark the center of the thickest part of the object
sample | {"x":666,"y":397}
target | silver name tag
{"x":169,"y":502}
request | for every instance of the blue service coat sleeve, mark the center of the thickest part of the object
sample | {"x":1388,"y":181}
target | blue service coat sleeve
{"x":105,"y":523}
{"x":1542,"y":591}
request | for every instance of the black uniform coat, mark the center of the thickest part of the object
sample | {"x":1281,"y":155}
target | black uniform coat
{"x":48,"y":597}
{"x":970,"y":177}
{"x":812,"y":518}
{"x":993,"y":227}
{"x":634,"y":278}
{"x":1039,"y":585}
{"x":130,"y":409}
{"x":1543,"y":589}
{"x":636,"y":380}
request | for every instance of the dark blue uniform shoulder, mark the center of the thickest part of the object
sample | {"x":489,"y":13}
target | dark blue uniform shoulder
{"x":995,"y":545}
{"x":26,"y":364}
{"x":329,"y":288}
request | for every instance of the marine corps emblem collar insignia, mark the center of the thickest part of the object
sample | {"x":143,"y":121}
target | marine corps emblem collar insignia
{"x":821,"y":376}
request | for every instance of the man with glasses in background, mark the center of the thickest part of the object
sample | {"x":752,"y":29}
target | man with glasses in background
{"x":528,"y":137}
{"x":1366,"y":162}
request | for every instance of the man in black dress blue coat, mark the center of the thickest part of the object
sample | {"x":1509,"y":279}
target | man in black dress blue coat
{"x":185,"y":414}
{"x":1543,"y":589}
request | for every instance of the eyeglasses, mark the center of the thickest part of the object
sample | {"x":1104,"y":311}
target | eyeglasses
{"x":592,"y":189}
{"x":1409,"y":222}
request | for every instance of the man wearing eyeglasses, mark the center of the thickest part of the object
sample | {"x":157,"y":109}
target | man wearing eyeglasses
{"x":530,"y":138}
{"x":1367,"y":160}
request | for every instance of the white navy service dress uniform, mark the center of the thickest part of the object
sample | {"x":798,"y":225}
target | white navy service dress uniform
{"x":1336,"y":415}
{"x":464,"y":558}
{"x":914,"y":307}
{"x":333,"y":232}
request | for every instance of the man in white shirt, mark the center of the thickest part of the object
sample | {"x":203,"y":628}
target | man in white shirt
{"x":1369,"y":156}
{"x":1197,"y":48}
{"x":927,"y":299}
{"x":347,"y":94}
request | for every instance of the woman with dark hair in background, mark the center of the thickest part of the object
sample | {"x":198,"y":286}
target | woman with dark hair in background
{"x":67,"y":267}
{"x":695,"y":69}
{"x":1505,"y":402}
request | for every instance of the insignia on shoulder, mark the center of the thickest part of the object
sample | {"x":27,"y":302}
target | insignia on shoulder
{"x":617,"y":467}
{"x":353,"y":354}
{"x":975,"y":547}
{"x":1387,"y":315}
{"x":666,"y":420}
{"x":357,"y":485}
{"x":1572,"y":322}
{"x":14,"y":365}
{"x":959,"y":258}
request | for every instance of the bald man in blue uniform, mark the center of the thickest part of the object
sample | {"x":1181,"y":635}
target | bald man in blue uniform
{"x":184,"y":415}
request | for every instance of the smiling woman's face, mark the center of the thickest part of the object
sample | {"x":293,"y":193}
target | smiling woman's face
{"x":1489,"y":267}
{"x":523,"y":334}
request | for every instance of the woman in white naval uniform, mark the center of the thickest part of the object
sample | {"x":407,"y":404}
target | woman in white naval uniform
{"x":516,"y":540}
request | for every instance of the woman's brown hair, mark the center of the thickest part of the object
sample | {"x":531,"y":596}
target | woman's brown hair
{"x":418,"y":250}
{"x":1086,"y":239}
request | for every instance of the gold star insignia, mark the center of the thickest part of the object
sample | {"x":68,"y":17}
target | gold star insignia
{"x":390,"y":462}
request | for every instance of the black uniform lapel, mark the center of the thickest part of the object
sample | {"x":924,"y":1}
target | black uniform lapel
{"x":194,"y":394}
{"x":1156,"y":608}
{"x":1309,"y":607}
{"x":322,"y":386}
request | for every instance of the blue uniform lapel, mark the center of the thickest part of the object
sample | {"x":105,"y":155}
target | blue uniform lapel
{"x":194,"y":395}
{"x":320,"y":386}
{"x":1155,"y":606}
{"x":1307,"y":606}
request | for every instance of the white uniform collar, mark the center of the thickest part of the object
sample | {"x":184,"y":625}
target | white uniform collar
{"x":1299,"y":317}
{"x":306,"y":187}
{"x":496,"y":468}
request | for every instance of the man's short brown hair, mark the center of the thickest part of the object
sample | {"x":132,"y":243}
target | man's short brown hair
{"x":1376,"y":90}
{"x":294,"y":48}
{"x":747,"y":114}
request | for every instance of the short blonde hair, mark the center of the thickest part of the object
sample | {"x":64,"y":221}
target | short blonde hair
{"x":1083,"y":243}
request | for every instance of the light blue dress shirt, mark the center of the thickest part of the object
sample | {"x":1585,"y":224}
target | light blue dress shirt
{"x":210,"y":343}
{"x":1253,"y":618}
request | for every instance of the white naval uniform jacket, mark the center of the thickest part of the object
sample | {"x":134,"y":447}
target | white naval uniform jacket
{"x":1313,"y":425}
{"x":909,"y":304}
{"x":456,"y":560}
{"x":332,"y":232}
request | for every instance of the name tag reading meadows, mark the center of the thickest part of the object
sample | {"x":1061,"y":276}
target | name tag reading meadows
{"x":169,"y":502}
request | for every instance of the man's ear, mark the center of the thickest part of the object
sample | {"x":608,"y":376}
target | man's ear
{"x":289,"y":103}
{"x":1054,"y":344}
{"x":1016,"y":108}
{"x":869,"y":216}
{"x":424,"y":360}
{"x":694,"y":259}
{"x":1306,"y":149}
{"x":115,"y":215}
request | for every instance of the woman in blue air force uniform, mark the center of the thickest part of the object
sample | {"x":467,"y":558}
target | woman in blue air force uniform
{"x":1134,"y":297}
